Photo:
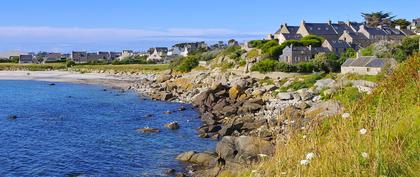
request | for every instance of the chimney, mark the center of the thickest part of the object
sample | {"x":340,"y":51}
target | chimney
{"x":329,"y":22}
{"x":285,"y":24}
{"x":310,"y":47}
{"x":358,"y":54}
{"x":302,"y":22}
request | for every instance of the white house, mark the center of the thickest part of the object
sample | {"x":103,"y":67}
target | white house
{"x":366,"y":65}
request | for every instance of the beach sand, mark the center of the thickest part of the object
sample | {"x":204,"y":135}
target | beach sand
{"x":113,"y":81}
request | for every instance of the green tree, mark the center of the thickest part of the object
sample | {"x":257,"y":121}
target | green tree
{"x":327,"y":62}
{"x":375,"y":19}
{"x":313,"y":40}
{"x":403,"y":23}
{"x":368,"y":51}
{"x":264,"y":66}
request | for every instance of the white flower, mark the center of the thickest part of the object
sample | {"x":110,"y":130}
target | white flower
{"x":304,"y":137}
{"x":304,"y":162}
{"x":310,"y":156}
{"x":362,"y":131}
{"x":365,"y":155}
{"x":263,"y":155}
{"x":345,"y":115}
{"x":254,"y":171}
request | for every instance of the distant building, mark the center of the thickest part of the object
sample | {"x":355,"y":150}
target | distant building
{"x":91,"y":57}
{"x":26,"y":59}
{"x":52,"y":57}
{"x":158,"y":54}
{"x":114,"y":55}
{"x":365,"y":65}
{"x":104,"y":56}
{"x":184,"y":49}
{"x":79,"y":57}
{"x":355,"y":38}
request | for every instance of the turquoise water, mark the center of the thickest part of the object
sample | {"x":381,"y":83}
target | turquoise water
{"x":70,"y":129}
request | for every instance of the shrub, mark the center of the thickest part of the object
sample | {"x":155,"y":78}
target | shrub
{"x":253,"y":54}
{"x":70,"y":63}
{"x":186,"y":64}
{"x":257,"y":43}
{"x":264,"y":66}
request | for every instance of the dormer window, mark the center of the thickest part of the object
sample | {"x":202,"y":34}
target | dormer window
{"x":319,"y":28}
{"x":326,"y":29}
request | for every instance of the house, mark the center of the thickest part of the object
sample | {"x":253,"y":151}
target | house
{"x":336,"y":46}
{"x":286,"y":32}
{"x":295,"y":54}
{"x":114,"y":55}
{"x":324,"y":30}
{"x":126,"y":54}
{"x":79,"y":57}
{"x":286,"y":36}
{"x":52,"y":57}
{"x":158,"y":55}
{"x":184,"y":49}
{"x":104,"y":56}
{"x":415,"y":26}
{"x":92,"y":57}
{"x":26,"y":59}
{"x":365,"y":65}
{"x":355,"y":38}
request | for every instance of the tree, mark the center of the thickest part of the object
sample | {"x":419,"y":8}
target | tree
{"x":403,"y":23}
{"x":326,"y":62}
{"x":314,"y":41}
{"x":375,"y":19}
{"x":368,"y":51}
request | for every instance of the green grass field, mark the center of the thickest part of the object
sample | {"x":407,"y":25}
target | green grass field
{"x":132,"y":68}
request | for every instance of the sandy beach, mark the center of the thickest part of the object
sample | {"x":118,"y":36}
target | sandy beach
{"x":114,"y":81}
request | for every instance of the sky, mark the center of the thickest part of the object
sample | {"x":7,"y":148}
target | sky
{"x":113,"y":25}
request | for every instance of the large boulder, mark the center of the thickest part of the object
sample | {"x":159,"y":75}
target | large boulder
{"x":186,"y":156}
{"x":208,"y":118}
{"x":172,"y":125}
{"x":228,"y":130}
{"x":234,"y":92}
{"x":324,"y":83}
{"x":324,"y":109}
{"x":163,"y":78}
{"x":199,"y":99}
{"x":243,"y":149}
{"x":204,"y":159}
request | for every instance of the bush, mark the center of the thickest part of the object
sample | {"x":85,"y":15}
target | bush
{"x":257,"y":43}
{"x":70,"y":63}
{"x":264,"y":66}
{"x":186,"y":64}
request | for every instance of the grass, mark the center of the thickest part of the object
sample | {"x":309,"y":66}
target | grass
{"x":306,"y":81}
{"x":391,"y":116}
{"x":372,"y":78}
{"x":33,"y":67}
{"x":131,"y":68}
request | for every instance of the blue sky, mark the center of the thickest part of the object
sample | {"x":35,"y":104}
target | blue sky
{"x":65,"y":25}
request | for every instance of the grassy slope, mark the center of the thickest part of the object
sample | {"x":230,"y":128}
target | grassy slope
{"x":391,"y":116}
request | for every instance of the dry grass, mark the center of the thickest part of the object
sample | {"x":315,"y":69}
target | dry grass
{"x":391,"y":116}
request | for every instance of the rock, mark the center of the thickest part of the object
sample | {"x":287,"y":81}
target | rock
{"x":243,"y":149}
{"x":284,"y":96}
{"x":301,"y":105}
{"x":199,"y":99}
{"x":229,"y":110}
{"x":172,"y":125}
{"x":204,"y":159}
{"x":168,"y":112}
{"x":208,"y":118}
{"x":12,"y":117}
{"x":167,"y":96}
{"x":51,"y":84}
{"x":364,"y":83}
{"x":212,"y":172}
{"x":148,"y":115}
{"x":148,"y":130}
{"x":258,"y":92}
{"x":288,"y":83}
{"x":170,"y":172}
{"x":180,"y":175}
{"x":234,"y":92}
{"x":270,"y":88}
{"x":186,"y":156}
{"x":182,"y":108}
{"x":214,"y":128}
{"x":230,"y":128}
{"x":363,"y":89}
{"x":324,"y":83}
{"x":324,"y":109}
{"x":163,"y":78}
{"x":305,"y":94}
{"x":248,"y":107}
{"x":291,"y":113}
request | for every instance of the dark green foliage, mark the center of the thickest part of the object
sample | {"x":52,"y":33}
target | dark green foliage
{"x":305,"y":67}
{"x":314,"y":41}
{"x":275,"y":52}
{"x":14,"y":59}
{"x":268,"y":45}
{"x":284,"y":67}
{"x":70,"y":63}
{"x":186,"y":64}
{"x":257,"y":43}
{"x":375,"y":19}
{"x":403,"y":23}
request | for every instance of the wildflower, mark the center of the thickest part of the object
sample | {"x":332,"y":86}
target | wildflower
{"x":362,"y":131}
{"x":304,"y":137}
{"x":365,"y":155}
{"x":345,"y":115}
{"x":262,"y":155}
{"x":310,"y":156}
{"x":304,"y":162}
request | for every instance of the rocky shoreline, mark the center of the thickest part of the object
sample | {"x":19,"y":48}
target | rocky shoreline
{"x":247,"y":116}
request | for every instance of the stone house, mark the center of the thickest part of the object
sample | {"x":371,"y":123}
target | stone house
{"x":295,"y":54}
{"x":126,"y":54}
{"x":381,"y":33}
{"x":336,"y":46}
{"x":114,"y":55}
{"x":104,"y":56}
{"x":93,"y":57}
{"x":324,"y":30}
{"x":79,"y":57}
{"x":365,"y":65}
{"x":26,"y":59}
{"x":355,"y":38}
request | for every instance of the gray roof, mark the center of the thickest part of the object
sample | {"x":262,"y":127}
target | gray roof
{"x":292,"y":36}
{"x":364,"y":62}
{"x":392,"y":31}
{"x":320,"y":29}
{"x":340,"y":27}
{"x":355,"y":25}
{"x":375,"y":31}
{"x":338,"y":44}
{"x":357,"y":36}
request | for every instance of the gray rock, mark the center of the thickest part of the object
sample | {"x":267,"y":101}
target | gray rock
{"x":324,"y":83}
{"x":186,"y":156}
{"x":148,"y":130}
{"x":284,"y":96}
{"x":172,"y":125}
{"x":324,"y":109}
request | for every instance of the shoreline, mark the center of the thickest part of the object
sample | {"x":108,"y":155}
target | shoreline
{"x":107,"y":80}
